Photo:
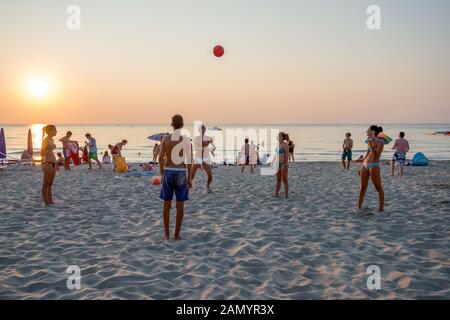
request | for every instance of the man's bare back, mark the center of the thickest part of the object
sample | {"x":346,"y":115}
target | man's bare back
{"x":176,"y":147}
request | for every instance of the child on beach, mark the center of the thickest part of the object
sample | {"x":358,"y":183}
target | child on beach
{"x":66,"y":149}
{"x":175,"y":169}
{"x":347,"y":147}
{"x":60,"y":160}
{"x":401,"y":147}
{"x":106,"y":158}
{"x":49,"y":162}
{"x":281,"y":161}
{"x":92,"y":145}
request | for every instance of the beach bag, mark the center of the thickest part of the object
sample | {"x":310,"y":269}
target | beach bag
{"x":121,"y":164}
{"x":419,"y":159}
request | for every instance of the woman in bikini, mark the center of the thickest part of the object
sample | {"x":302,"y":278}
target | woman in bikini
{"x":371,"y":166}
{"x":49,"y":163}
{"x":282,"y":155}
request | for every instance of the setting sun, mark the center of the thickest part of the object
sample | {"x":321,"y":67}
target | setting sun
{"x":38,"y":88}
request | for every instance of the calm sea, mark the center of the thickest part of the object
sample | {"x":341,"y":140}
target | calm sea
{"x":313,"y":142}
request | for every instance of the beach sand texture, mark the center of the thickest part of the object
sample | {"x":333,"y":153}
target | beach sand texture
{"x":239,"y":241}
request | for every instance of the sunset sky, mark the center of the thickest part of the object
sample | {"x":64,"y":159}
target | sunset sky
{"x":285,"y":62}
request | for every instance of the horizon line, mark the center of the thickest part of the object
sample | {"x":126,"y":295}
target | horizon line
{"x":233,"y":124}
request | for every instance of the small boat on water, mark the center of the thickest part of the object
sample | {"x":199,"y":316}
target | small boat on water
{"x":440,"y":133}
{"x":215,"y":129}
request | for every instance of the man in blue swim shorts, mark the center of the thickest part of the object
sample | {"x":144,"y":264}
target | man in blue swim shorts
{"x":347,"y":147}
{"x":401,"y":147}
{"x":175,"y":168}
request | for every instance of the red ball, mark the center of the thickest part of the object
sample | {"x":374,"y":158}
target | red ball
{"x":218,"y":51}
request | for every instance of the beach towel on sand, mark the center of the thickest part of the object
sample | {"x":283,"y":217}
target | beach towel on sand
{"x":419,"y":159}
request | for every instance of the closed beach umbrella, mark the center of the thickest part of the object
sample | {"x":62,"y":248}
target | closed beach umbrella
{"x":2,"y":144}
{"x":156,"y":136}
{"x":30,"y":143}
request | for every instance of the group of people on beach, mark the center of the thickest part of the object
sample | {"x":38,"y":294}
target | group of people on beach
{"x":89,"y":151}
{"x":179,"y":159}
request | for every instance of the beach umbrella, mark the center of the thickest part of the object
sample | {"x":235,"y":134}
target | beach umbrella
{"x":2,"y":144}
{"x":157,"y":136}
{"x":218,"y":51}
{"x":30,"y":143}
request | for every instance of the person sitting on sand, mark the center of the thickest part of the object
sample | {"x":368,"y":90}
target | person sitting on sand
{"x":203,"y":146}
{"x":281,"y":160}
{"x":49,"y":162}
{"x":401,"y":147}
{"x":106,"y":158}
{"x":174,"y":159}
{"x":60,"y":160}
{"x":347,"y":147}
{"x":66,"y":149}
{"x":92,"y":145}
{"x":371,"y":166}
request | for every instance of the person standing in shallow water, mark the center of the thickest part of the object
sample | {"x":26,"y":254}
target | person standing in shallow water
{"x":281,"y":161}
{"x":175,"y":169}
{"x":371,"y":166}
{"x":49,"y":162}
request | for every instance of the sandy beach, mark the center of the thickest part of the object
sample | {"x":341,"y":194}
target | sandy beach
{"x":239,"y":242}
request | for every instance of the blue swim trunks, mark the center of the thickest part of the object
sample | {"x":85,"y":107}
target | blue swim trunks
{"x":400,"y":158}
{"x":174,"y":181}
{"x":347,"y":154}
